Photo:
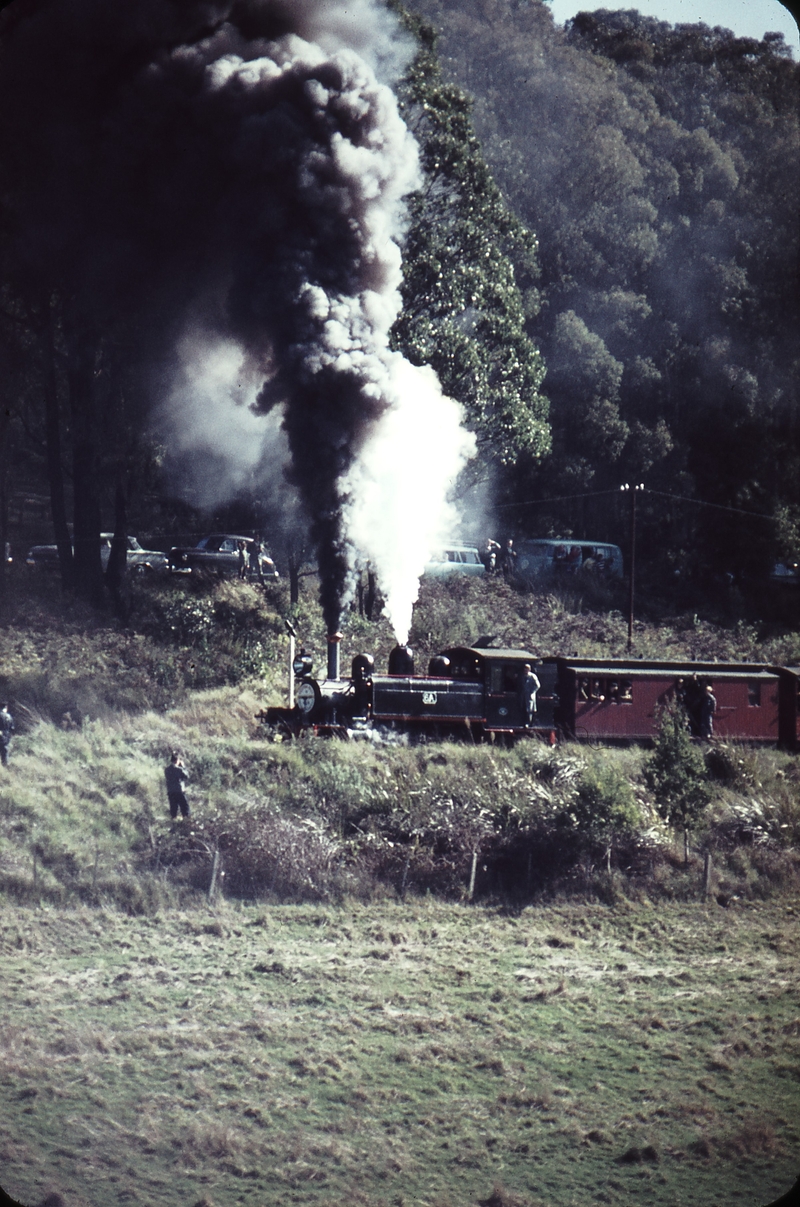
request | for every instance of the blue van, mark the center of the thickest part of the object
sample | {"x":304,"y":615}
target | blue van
{"x":538,"y":558}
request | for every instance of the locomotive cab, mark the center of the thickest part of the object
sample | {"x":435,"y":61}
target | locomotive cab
{"x":500,"y":673}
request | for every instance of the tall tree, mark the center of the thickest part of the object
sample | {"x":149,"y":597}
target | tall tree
{"x":660,"y":167}
{"x":466,"y":256}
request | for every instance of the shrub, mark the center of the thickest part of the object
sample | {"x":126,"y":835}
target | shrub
{"x":264,"y":854}
{"x":676,"y":774}
{"x":603,"y":808}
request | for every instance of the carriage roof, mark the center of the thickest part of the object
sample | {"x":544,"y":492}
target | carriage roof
{"x":492,"y":655}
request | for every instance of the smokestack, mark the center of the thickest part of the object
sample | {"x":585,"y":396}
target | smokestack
{"x":334,"y":640}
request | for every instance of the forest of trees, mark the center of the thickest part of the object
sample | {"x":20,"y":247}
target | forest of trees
{"x":614,"y":298}
{"x":659,"y":167}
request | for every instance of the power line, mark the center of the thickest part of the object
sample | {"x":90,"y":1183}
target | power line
{"x":596,"y":494}
{"x":761,"y":515}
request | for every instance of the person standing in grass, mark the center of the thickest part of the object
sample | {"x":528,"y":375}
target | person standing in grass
{"x":255,"y":559}
{"x":6,"y":730}
{"x":176,"y":776}
{"x":508,"y":562}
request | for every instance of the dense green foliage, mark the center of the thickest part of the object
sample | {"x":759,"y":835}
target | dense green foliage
{"x":463,"y":311}
{"x":659,"y":167}
{"x":604,"y":807}
{"x":677,"y":773}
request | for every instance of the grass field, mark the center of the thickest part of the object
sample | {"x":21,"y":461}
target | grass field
{"x":416,"y":1053}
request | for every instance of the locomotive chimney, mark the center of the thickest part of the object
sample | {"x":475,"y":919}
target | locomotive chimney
{"x":334,"y":640}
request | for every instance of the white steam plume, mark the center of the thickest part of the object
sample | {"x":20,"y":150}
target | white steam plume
{"x":214,"y":437}
{"x":398,"y":487}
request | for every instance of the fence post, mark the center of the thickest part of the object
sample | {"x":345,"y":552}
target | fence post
{"x":212,"y":888}
{"x":473,"y":870}
{"x":706,"y":874}
{"x":405,"y":876}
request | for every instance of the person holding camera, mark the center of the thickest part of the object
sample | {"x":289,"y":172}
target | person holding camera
{"x":176,"y":776}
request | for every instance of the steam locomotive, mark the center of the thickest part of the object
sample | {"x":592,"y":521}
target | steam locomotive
{"x":476,"y":691}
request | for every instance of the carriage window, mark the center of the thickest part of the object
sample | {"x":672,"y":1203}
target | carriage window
{"x":592,"y":689}
{"x":504,"y":679}
{"x":754,"y":694}
{"x":511,"y":676}
{"x":615,"y":691}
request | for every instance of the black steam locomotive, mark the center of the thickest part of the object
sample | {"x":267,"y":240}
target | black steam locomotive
{"x":476,"y":691}
{"x":473,"y":690}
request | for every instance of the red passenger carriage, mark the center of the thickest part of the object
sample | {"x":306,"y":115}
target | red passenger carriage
{"x":613,"y":699}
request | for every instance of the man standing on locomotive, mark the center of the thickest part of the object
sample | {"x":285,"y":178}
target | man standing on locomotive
{"x":528,"y":687}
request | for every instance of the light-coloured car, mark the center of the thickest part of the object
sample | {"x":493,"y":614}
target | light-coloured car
{"x":455,"y":559}
{"x":786,"y":574}
{"x":139,"y":560}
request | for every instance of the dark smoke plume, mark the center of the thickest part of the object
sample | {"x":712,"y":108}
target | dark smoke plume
{"x":229,"y":175}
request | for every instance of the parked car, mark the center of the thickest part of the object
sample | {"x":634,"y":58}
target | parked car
{"x":140,"y":561}
{"x":539,"y":557}
{"x":218,"y":554}
{"x":786,"y":574}
{"x":455,"y":559}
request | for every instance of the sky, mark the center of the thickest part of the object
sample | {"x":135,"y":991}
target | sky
{"x":747,"y":18}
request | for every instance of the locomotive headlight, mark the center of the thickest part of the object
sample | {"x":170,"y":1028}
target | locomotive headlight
{"x":302,"y":666}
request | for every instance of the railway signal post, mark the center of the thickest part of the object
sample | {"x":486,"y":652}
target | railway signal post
{"x":634,"y":490}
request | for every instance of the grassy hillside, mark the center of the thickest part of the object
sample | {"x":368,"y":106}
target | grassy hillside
{"x":336,"y":1023}
{"x":83,"y":811}
{"x":57,"y":656}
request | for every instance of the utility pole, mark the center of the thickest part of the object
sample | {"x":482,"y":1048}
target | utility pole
{"x":290,"y":629}
{"x":634,"y":490}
